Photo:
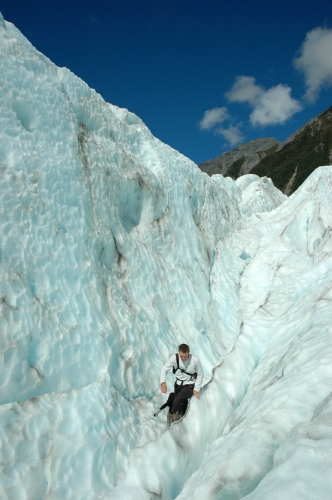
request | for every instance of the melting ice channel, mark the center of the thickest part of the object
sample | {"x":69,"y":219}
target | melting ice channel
{"x":114,"y":249}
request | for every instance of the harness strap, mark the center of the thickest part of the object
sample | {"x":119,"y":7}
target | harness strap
{"x":193,"y":376}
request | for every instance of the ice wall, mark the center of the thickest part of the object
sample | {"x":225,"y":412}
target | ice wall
{"x":108,"y":241}
{"x":114,"y":249}
{"x":101,"y":226}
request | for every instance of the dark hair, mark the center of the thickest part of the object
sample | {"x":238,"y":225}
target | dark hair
{"x":184,"y":348}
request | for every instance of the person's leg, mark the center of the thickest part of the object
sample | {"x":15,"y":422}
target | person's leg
{"x":169,"y":401}
{"x":181,"y":399}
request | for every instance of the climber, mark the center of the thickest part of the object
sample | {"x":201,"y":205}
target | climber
{"x":189,"y":376}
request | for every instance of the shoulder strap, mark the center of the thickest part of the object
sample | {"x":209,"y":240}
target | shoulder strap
{"x":177,"y":363}
{"x":193,"y":375}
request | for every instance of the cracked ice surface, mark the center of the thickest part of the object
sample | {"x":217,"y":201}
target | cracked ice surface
{"x":114,"y":249}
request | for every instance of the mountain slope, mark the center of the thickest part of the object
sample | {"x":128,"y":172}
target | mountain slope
{"x":288,"y":164}
{"x":241,"y":160}
{"x":307,"y":149}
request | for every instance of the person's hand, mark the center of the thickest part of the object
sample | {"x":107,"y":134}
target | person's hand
{"x":197,"y":394}
{"x":164,"y":387}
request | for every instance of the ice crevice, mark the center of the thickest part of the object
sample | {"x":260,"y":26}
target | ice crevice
{"x":114,"y":249}
{"x":294,"y":358}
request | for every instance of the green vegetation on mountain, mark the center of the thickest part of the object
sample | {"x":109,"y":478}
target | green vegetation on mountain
{"x":234,"y":170}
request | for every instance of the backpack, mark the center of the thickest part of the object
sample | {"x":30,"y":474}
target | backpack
{"x":193,"y":375}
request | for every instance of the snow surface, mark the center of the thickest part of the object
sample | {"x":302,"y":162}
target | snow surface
{"x":114,"y":249}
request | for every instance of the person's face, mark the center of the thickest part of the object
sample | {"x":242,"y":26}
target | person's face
{"x":184,"y":355}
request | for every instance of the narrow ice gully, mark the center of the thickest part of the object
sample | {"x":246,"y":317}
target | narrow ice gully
{"x":114,"y":249}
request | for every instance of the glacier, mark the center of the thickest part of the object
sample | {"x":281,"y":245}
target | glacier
{"x":114,"y":249}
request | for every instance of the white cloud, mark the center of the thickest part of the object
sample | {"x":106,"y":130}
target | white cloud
{"x":212,"y":117}
{"x":245,"y":90}
{"x":316,"y":61}
{"x":233,"y":135}
{"x":275,"y":106}
{"x":270,"y":107}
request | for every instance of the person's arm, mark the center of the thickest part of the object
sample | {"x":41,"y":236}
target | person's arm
{"x":166,"y":368}
{"x":199,"y":380}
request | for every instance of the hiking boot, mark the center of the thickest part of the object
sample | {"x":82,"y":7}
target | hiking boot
{"x":170,"y":419}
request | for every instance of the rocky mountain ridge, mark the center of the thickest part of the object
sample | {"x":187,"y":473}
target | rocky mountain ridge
{"x":241,"y":160}
{"x":288,"y":164}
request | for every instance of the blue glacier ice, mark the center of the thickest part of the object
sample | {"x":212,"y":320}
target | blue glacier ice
{"x":114,"y":249}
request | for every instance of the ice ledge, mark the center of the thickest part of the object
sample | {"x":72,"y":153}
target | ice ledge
{"x":2,"y":22}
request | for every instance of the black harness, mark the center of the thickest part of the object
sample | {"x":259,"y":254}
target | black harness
{"x":193,"y":376}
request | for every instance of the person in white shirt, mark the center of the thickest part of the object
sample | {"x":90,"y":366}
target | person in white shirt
{"x":189,"y":377}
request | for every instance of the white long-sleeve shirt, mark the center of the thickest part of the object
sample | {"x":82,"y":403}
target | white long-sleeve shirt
{"x":191,"y":365}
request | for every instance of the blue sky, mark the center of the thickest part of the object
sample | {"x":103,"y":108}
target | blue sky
{"x":202,"y":75}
